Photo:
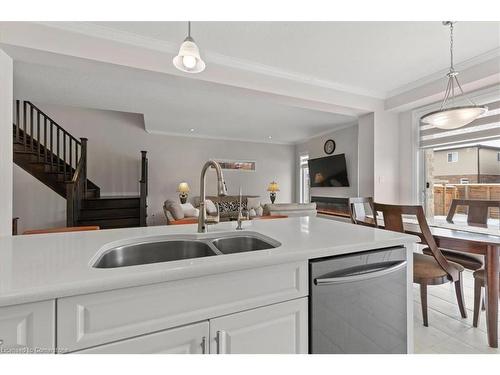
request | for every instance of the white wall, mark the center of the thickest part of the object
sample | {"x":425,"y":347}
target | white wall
{"x":6,"y":101}
{"x":366,"y":177}
{"x":386,"y":158}
{"x":346,"y":140}
{"x":36,"y":205}
{"x":115,"y":142}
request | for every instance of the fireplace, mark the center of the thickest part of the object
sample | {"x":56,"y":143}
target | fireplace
{"x":332,"y":206}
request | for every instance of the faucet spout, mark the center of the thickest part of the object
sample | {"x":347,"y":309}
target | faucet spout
{"x":221,"y":191}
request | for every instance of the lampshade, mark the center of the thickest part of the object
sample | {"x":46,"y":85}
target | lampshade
{"x":188,"y":60}
{"x":455,"y":117}
{"x":183,"y":187}
{"x":273,"y":186}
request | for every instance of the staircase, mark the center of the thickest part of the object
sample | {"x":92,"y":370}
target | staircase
{"x":52,"y":155}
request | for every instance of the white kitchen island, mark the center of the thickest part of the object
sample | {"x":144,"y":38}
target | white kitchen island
{"x":53,"y":299}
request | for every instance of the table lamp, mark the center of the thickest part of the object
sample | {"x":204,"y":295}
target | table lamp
{"x":273,"y":188}
{"x":183,"y":189}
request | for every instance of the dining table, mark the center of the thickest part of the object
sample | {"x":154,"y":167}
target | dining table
{"x":467,"y":238}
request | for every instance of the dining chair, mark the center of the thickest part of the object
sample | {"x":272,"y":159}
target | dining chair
{"x":479,"y":284}
{"x":432,"y":269}
{"x":61,"y":230}
{"x":477,"y":215}
{"x":361,"y":202}
{"x":477,"y":210}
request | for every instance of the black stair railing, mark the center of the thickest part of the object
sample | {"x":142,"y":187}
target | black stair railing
{"x":48,"y":141}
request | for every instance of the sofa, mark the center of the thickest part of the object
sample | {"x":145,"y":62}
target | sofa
{"x":291,"y":209}
{"x":229,"y":205}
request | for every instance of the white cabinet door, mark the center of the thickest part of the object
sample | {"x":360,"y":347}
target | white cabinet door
{"x":279,"y":328}
{"x":28,"y":328}
{"x":191,"y":339}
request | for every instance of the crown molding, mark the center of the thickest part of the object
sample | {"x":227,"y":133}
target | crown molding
{"x":124,"y":37}
{"x":476,"y":60}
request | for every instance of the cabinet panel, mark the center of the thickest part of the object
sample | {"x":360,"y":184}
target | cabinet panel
{"x":95,"y":319}
{"x":275,"y":329}
{"x":191,"y":339}
{"x":28,"y":328}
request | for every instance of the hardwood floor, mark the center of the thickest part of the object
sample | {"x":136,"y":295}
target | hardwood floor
{"x":448,"y":332}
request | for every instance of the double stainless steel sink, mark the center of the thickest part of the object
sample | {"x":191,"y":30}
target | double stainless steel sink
{"x":171,"y":248}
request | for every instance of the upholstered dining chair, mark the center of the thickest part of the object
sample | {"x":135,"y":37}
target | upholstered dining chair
{"x":432,"y":269}
{"x":358,"y":205}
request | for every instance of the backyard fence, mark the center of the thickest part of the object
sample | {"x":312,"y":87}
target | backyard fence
{"x":445,"y":193}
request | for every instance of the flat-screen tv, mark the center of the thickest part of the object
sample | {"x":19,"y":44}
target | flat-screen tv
{"x":328,"y":171}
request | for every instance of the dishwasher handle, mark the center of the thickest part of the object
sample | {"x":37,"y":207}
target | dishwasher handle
{"x":346,"y":278}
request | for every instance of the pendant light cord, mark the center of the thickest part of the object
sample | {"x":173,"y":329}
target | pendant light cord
{"x":189,"y":29}
{"x":452,"y":68}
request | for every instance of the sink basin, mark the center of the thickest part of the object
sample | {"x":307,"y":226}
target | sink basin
{"x":155,"y":252}
{"x":241,"y":243}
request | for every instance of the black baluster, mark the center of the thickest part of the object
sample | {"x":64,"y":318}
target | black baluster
{"x":38,"y":135}
{"x":51,"y":144}
{"x":64,"y":155}
{"x":58,"y":154}
{"x":24,"y":127}
{"x":31,"y":129}
{"x":70,"y":156}
{"x":45,"y":156}
{"x":18,"y":122}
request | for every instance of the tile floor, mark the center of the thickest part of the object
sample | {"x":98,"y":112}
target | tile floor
{"x":448,"y":332}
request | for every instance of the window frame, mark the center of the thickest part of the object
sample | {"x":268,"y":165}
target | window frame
{"x":303,"y":167}
{"x":454,"y":157}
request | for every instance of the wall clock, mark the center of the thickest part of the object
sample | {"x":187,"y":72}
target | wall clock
{"x":329,"y":146}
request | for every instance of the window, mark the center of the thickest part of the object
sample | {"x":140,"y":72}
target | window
{"x":464,"y":180}
{"x":304,"y":179}
{"x":452,"y":157}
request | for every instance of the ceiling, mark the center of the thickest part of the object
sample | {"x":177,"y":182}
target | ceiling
{"x":280,"y":82}
{"x":378,"y":57}
{"x":170,"y":104}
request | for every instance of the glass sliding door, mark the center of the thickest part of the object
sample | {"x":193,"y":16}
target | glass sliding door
{"x":462,"y":163}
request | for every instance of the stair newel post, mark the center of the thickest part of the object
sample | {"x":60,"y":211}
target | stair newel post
{"x":143,"y":189}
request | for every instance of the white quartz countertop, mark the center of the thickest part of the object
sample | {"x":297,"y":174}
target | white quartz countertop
{"x":46,"y":266}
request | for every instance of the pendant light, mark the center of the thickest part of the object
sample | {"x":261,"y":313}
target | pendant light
{"x":188,"y":60}
{"x":450,"y":116}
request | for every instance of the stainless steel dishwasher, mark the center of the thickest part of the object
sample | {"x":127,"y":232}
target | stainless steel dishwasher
{"x":358,"y":303}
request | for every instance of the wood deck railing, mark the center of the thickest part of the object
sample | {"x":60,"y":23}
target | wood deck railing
{"x":445,"y":193}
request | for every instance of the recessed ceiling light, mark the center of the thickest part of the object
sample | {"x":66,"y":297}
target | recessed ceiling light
{"x":191,"y":130}
{"x":270,"y":137}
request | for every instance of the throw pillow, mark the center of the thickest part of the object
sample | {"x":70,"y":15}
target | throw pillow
{"x":252,"y":212}
{"x":175,"y":209}
{"x":253,"y":202}
{"x":259,"y":211}
{"x":210,"y":206}
{"x":189,"y":210}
